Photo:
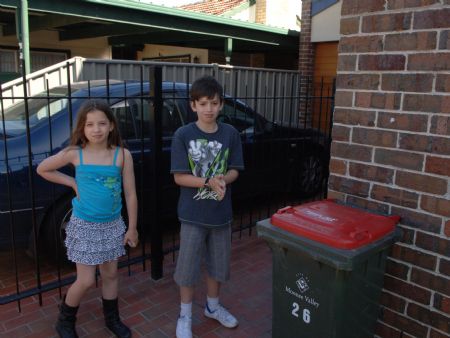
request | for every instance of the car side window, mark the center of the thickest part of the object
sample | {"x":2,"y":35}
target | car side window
{"x":237,"y":116}
{"x":171,"y":117}
{"x":142,"y":117}
{"x":134,"y":116}
{"x":124,"y":112}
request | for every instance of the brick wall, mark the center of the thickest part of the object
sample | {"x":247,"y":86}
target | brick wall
{"x":391,"y":148}
{"x":306,"y":52}
{"x":305,"y":62}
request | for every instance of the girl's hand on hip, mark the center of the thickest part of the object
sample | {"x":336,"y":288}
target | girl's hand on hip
{"x":75,"y":188}
{"x":131,"y":238}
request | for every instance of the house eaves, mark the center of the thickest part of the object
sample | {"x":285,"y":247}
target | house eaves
{"x":123,"y":18}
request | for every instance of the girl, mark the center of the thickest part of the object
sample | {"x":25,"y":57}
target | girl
{"x":96,"y":232}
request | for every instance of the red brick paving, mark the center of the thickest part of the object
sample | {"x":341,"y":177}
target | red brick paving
{"x":151,"y":308}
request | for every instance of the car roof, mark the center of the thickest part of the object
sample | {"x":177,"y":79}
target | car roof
{"x":93,"y":84}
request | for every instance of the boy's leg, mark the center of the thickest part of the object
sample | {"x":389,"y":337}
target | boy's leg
{"x":186,"y":294}
{"x":187,"y":272}
{"x":212,"y":287}
{"x":218,"y":265}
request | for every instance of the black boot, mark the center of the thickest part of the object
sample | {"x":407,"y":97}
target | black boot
{"x":112,"y":319}
{"x":65,"y":326}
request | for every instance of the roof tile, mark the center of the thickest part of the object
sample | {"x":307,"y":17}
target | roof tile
{"x":213,"y":7}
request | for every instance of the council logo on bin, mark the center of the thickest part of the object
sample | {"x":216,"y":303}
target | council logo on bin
{"x":302,"y":284}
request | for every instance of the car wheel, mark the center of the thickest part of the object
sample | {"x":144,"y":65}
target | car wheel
{"x":310,"y":175}
{"x":54,"y":229}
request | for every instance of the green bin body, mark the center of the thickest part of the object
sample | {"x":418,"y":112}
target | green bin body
{"x":320,"y":291}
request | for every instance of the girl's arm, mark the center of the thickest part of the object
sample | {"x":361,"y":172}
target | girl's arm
{"x":129,"y":189}
{"x":48,"y":168}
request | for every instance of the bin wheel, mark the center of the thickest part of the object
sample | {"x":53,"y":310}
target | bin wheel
{"x":310,"y":175}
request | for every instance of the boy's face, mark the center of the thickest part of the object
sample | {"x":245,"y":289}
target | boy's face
{"x":207,"y":109}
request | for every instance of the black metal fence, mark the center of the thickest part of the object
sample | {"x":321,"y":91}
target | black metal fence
{"x":286,"y":154}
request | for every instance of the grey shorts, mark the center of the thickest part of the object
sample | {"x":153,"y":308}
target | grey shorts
{"x":196,"y":243}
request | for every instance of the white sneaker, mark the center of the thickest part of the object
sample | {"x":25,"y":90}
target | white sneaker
{"x":184,"y":327}
{"x":222,"y":316}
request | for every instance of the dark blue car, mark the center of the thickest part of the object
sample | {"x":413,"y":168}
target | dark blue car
{"x":276,"y":158}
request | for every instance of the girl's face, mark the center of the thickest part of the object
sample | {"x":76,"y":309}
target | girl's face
{"x":97,"y":127}
{"x":207,"y":109}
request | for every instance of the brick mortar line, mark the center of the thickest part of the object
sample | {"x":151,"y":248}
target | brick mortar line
{"x":393,"y":186}
{"x":409,"y":10}
{"x":422,"y":250}
{"x":413,"y":302}
{"x":400,"y":149}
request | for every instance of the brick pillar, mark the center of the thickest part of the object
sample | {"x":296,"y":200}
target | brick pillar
{"x":306,"y":63}
{"x":260,"y":16}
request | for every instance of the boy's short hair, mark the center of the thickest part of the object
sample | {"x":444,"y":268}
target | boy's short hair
{"x":206,"y":86}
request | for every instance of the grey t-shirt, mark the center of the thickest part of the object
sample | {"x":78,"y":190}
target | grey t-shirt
{"x":205,"y":155}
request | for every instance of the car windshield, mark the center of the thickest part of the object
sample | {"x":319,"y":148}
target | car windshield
{"x":39,"y":108}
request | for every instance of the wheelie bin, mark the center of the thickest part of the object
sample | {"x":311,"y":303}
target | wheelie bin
{"x":328,"y":267}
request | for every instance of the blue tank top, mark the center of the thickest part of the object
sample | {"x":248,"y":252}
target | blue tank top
{"x":99,"y":190}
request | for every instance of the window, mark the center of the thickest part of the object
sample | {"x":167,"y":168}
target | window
{"x":238,"y":116}
{"x":123,"y":111}
{"x":9,"y":59}
{"x":41,"y":60}
{"x":171,"y":117}
{"x":39,"y":109}
{"x":186,"y":58}
{"x":132,"y":115}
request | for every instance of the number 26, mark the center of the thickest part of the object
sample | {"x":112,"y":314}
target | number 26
{"x":306,"y":313}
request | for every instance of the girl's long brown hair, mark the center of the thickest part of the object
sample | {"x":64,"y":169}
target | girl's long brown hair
{"x":79,"y":139}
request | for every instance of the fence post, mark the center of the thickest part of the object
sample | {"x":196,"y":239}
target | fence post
{"x":156,"y":250}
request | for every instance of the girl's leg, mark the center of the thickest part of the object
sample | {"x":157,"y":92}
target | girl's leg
{"x":85,"y":280}
{"x":110,"y":285}
{"x":65,"y":325}
{"x":110,"y":279}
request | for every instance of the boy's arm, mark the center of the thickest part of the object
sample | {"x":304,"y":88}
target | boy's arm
{"x":48,"y":168}
{"x":231,"y":176}
{"x":129,"y":189}
{"x":189,"y":180}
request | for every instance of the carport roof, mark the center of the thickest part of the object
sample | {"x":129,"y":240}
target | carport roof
{"x":127,"y":22}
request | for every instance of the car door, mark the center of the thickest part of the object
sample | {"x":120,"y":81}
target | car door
{"x":133,"y":116}
{"x":259,"y":176}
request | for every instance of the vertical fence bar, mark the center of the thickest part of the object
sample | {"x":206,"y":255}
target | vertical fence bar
{"x":31,"y":186}
{"x":10,"y":207}
{"x":156,"y":157}
{"x":52,"y":191}
{"x":141,"y":168}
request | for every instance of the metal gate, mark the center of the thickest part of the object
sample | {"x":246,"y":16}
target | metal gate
{"x":286,"y":153}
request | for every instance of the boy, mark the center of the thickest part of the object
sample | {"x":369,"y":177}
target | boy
{"x":206,"y":157}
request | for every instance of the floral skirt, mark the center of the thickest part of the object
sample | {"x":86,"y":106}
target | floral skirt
{"x":93,"y":243}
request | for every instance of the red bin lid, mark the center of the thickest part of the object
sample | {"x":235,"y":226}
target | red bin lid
{"x":333,"y":224}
